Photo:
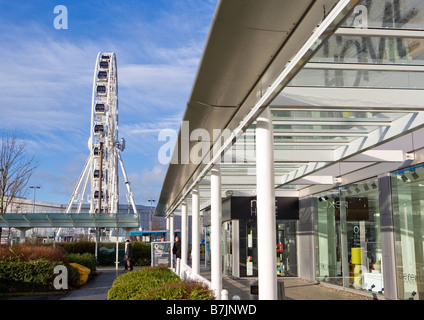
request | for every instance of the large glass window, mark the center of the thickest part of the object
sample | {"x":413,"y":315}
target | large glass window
{"x":248,"y":249}
{"x":408,"y":215}
{"x":328,"y":256}
{"x":362,"y":256}
{"x":347,"y":237}
{"x":286,"y":251}
{"x":227,"y":247}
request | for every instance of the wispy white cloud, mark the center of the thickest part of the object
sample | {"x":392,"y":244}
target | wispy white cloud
{"x":46,"y":82}
{"x":148,"y":182}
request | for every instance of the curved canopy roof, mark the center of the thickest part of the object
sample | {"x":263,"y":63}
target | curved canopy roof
{"x":73,"y":220}
{"x":341,"y":94}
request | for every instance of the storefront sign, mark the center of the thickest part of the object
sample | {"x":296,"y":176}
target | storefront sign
{"x":161,"y":254}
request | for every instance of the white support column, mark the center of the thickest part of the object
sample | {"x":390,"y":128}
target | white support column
{"x":171,"y":237}
{"x":184,"y":232}
{"x":22,"y":235}
{"x":195,"y":242}
{"x":167,"y":229}
{"x":215,"y":242}
{"x":265,"y":184}
{"x":236,"y":248}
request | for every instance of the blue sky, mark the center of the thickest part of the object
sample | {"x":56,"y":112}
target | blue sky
{"x":46,"y":81}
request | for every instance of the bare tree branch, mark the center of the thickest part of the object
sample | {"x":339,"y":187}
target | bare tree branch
{"x":16,"y":168}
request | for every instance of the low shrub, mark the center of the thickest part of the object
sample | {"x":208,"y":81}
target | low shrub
{"x":85,"y":259}
{"x":181,"y":290}
{"x":141,"y":251}
{"x":21,"y":276}
{"x":29,"y":267}
{"x":156,"y":283}
{"x":28,"y":252}
{"x":77,"y":247}
{"x":142,"y":254}
{"x":126,"y":286}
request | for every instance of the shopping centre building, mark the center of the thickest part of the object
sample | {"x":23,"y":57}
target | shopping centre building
{"x":302,"y":146}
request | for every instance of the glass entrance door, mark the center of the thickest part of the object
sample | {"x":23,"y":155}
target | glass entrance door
{"x":286,"y":249}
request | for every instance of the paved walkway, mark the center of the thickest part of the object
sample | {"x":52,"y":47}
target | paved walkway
{"x":294,"y":288}
{"x":98,"y":287}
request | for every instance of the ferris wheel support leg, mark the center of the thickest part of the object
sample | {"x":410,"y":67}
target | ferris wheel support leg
{"x":87,"y":178}
{"x":127,"y":183}
{"x":75,"y":193}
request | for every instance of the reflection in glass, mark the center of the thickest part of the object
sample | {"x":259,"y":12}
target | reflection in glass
{"x":371,"y":50}
{"x":408,"y":199}
{"x":359,"y":79}
{"x":397,"y":14}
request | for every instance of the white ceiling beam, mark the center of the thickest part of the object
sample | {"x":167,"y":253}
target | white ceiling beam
{"x":363,"y":66}
{"x":379,"y":156}
{"x":399,"y":127}
{"x":395,"y":33}
{"x":303,"y":155}
{"x":310,"y":180}
{"x":349,"y":99}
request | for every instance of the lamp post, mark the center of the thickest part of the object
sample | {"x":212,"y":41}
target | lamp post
{"x":150,"y":215}
{"x":33,"y":207}
{"x":33,"y":203}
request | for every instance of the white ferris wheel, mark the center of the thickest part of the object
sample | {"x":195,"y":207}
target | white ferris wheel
{"x":100,"y":173}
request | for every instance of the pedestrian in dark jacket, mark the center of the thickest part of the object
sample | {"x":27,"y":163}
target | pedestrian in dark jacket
{"x":177,"y":247}
{"x":128,"y":255}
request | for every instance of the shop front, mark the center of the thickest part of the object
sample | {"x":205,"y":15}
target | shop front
{"x":239,"y":236}
{"x":348,"y":233}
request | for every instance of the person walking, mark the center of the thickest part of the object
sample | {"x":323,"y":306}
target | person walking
{"x":128,"y":255}
{"x":177,"y":248}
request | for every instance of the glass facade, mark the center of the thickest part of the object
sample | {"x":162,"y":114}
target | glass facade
{"x":348,"y":248}
{"x":347,"y":237}
{"x":408,"y":217}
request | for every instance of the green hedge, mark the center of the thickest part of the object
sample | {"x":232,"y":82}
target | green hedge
{"x":87,"y":260}
{"x":141,"y":251}
{"x":77,"y":247}
{"x":34,"y":275}
{"x":156,"y":283}
{"x":26,"y":268}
